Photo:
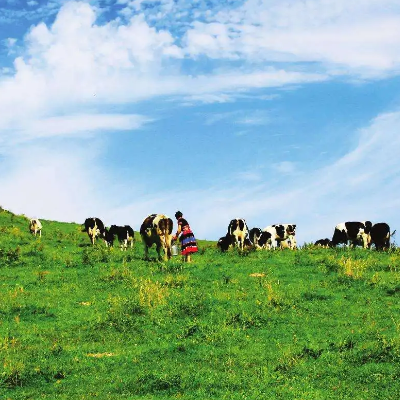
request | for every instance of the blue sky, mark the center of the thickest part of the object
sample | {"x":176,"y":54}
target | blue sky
{"x":273,"y":111}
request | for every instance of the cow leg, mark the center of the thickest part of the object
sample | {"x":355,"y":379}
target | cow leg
{"x":159,"y":251}
{"x":91,"y":235}
{"x":365,"y":240}
{"x":146,"y":251}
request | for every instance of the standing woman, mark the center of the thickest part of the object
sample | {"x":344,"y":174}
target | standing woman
{"x":187,"y":239}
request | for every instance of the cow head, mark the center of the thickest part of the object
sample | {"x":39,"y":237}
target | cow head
{"x":291,"y":229}
{"x":224,"y":242}
{"x":264,"y":238}
{"x":368,"y":226}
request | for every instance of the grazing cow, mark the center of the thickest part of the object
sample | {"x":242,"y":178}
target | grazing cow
{"x":238,"y":231}
{"x":224,"y":242}
{"x":355,"y":232}
{"x":35,"y":226}
{"x":157,"y":229}
{"x":323,"y":243}
{"x":94,"y":227}
{"x":380,"y":235}
{"x":108,"y":238}
{"x":247,"y":243}
{"x":124,"y":234}
{"x":274,"y":235}
{"x":254,"y":236}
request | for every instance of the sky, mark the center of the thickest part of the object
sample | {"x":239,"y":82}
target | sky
{"x":275,"y":111}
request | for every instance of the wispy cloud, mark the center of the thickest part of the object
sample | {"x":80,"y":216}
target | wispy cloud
{"x":81,"y":125}
{"x":209,"y":98}
{"x":285,"y":167}
{"x":250,"y":118}
{"x":361,"y":36}
{"x":255,"y":118}
{"x":250,"y":175}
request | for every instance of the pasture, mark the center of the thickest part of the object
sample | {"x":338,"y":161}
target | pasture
{"x":83,"y":322}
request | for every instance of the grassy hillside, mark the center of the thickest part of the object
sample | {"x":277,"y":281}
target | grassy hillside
{"x":79,"y":322}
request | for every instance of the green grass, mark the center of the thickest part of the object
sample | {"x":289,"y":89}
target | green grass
{"x":83,"y":322}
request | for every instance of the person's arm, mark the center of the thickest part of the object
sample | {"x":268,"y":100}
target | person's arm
{"x":178,"y":231}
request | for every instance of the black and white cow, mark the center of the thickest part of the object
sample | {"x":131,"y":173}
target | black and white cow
{"x":224,"y":242}
{"x":125,"y":235}
{"x":274,"y":235}
{"x":157,"y":229}
{"x":35,"y":226}
{"x":247,"y":243}
{"x":355,"y":232}
{"x":380,"y":235}
{"x":254,"y":236}
{"x":108,"y":238}
{"x":94,"y":228}
{"x":238,"y":231}
{"x":323,"y":243}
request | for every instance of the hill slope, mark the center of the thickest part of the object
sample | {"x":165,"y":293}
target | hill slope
{"x":79,"y":322}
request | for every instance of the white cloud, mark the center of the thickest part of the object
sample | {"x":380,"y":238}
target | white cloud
{"x":81,"y":125}
{"x":249,"y":118}
{"x":209,"y":98}
{"x":250,"y":175}
{"x":76,"y":64}
{"x":67,"y":73}
{"x":362,"y":36}
{"x":284,"y":167}
{"x":10,"y":42}
{"x":254,"y":119}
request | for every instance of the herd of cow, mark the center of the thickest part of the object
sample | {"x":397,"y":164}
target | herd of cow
{"x":157,"y":229}
{"x":363,"y":233}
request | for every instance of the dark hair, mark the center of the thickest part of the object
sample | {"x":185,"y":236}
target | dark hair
{"x":178,"y":214}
